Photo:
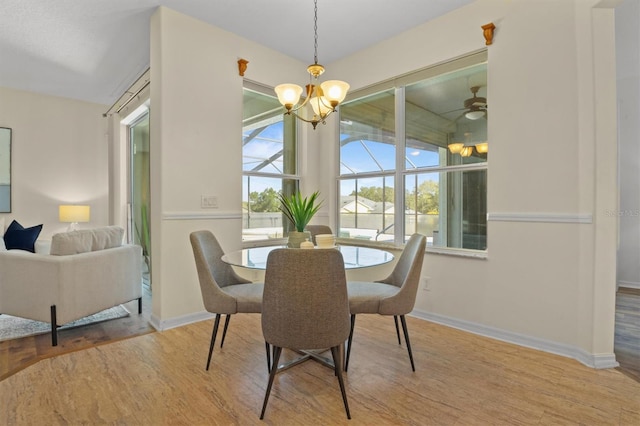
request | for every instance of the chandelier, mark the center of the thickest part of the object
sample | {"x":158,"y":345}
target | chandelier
{"x":323,"y":98}
{"x":465,"y":149}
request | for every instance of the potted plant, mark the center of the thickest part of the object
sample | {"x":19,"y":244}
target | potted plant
{"x":299,"y":211}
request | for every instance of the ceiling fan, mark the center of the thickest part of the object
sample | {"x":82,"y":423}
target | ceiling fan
{"x":474,"y":107}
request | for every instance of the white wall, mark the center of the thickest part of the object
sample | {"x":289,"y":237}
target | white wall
{"x":628,"y":74}
{"x":549,"y":279}
{"x":59,"y":156}
{"x":196,"y":114}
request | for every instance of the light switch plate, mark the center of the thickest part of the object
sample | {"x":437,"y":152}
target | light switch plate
{"x":209,"y":202}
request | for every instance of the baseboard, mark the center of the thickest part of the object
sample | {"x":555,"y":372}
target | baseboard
{"x":629,"y":284}
{"x":174,"y":322}
{"x":598,"y":361}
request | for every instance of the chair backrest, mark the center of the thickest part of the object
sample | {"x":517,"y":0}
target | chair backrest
{"x":406,"y":275}
{"x":317,"y":230}
{"x":305,"y":303}
{"x":213,"y":273}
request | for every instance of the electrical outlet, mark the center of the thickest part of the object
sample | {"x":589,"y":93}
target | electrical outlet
{"x":425,"y":283}
{"x":209,"y":202}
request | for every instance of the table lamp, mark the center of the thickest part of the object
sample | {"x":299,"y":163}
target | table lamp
{"x":73,"y":215}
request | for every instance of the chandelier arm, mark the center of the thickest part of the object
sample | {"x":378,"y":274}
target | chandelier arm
{"x":301,"y":105}
{"x":332,"y":108}
{"x":316,"y":121}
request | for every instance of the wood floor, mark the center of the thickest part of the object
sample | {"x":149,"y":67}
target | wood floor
{"x":461,"y":379}
{"x":627,"y":334}
{"x":18,"y":354}
{"x":159,"y":378}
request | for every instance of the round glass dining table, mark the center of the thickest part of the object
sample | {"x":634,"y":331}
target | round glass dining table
{"x":354,"y":256}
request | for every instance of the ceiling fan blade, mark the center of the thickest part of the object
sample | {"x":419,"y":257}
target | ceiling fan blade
{"x":453,"y":110}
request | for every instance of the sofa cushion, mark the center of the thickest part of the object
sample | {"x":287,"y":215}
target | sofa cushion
{"x":86,"y":240}
{"x":18,"y":237}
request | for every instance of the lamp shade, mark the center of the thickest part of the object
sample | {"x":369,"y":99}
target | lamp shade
{"x":466,"y":151}
{"x":335,"y":91}
{"x":288,"y":94}
{"x":482,"y":148}
{"x":474,"y":114}
{"x":456,"y":147}
{"x":74,"y":214}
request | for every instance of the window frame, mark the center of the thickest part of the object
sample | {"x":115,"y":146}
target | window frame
{"x":295,"y":178}
{"x":401,"y":172}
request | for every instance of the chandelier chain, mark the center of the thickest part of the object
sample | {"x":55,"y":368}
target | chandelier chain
{"x":315,"y":31}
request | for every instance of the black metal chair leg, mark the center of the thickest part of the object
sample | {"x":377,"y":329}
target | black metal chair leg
{"x":139,"y":305}
{"x":54,"y":327}
{"x":353,"y":323}
{"x":268,"y":348}
{"x":224,"y":332}
{"x":272,"y":374}
{"x":213,"y":339}
{"x":406,"y":338}
{"x":337,"y":360}
{"x":395,"y":319}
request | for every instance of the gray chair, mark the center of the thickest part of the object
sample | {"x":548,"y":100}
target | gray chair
{"x":305,"y":306}
{"x":317,"y":230}
{"x":395,"y":295}
{"x":223,"y":291}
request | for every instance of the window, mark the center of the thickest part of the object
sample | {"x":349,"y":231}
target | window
{"x":269,"y":165}
{"x":421,"y":144}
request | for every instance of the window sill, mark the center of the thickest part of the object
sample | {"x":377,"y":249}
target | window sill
{"x":367,"y":243}
{"x":475,"y":254}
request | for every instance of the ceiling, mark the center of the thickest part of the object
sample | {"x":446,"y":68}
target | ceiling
{"x":93,"y":50}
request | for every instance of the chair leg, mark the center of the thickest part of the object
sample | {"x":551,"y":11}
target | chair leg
{"x":54,"y":327}
{"x":224,"y":332}
{"x":139,"y":305}
{"x":395,"y":319}
{"x":406,"y":338}
{"x":268,"y":348}
{"x":337,"y":360}
{"x":353,"y":323}
{"x":213,"y":339}
{"x":272,"y":374}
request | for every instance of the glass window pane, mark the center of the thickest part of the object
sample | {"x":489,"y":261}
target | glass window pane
{"x":450,"y":208}
{"x":268,"y":137}
{"x":367,"y":209}
{"x":261,"y":215}
{"x":448,"y":109}
{"x":268,"y":147}
{"x":367,"y":134}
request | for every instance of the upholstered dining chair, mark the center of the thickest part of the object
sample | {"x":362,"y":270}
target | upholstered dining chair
{"x":223,"y":291}
{"x":395,"y":295}
{"x":317,"y":230}
{"x":305,"y":306}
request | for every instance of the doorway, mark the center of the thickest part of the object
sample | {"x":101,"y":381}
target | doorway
{"x":139,"y":190}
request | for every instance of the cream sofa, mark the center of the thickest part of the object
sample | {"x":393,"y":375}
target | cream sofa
{"x":85,"y":272}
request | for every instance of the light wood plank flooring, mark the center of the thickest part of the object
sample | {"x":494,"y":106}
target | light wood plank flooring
{"x":461,"y":379}
{"x":18,"y":354}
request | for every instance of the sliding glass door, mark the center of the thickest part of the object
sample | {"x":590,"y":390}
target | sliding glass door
{"x":139,"y":189}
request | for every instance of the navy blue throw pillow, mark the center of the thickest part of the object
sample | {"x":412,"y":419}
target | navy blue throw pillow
{"x":19,"y":237}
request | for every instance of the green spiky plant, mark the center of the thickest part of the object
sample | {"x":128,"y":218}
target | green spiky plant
{"x":299,"y":210}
